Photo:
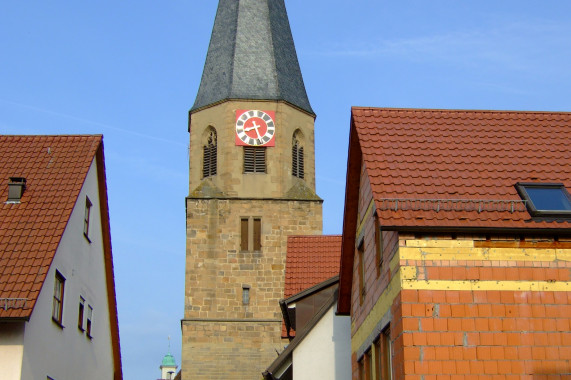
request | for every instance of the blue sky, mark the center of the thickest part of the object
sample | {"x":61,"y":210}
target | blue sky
{"x":130,"y":70}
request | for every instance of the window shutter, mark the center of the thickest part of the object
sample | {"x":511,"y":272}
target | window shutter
{"x":244,"y":234}
{"x":257,"y":234}
{"x":254,"y":159}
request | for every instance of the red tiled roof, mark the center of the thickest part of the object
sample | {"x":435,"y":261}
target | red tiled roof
{"x":310,"y":260}
{"x":419,"y":154}
{"x":55,"y":168}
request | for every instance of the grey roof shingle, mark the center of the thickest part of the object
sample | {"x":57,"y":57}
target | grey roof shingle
{"x":251,"y":56}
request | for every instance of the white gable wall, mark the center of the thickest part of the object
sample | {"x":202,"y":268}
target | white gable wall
{"x":11,"y":350}
{"x":325,"y":353}
{"x":67,"y":353}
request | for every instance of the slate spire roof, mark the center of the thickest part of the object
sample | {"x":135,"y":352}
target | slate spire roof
{"x":251,"y":56}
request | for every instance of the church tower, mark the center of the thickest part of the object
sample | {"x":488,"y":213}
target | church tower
{"x":252,"y":183}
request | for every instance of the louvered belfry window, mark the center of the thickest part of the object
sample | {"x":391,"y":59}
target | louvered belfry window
{"x":297,"y":159}
{"x":209,"y":161}
{"x":254,"y":159}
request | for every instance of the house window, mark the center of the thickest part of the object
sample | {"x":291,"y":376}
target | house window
{"x":80,"y":313}
{"x":378,"y":243}
{"x":545,"y":199}
{"x":250,"y":234}
{"x":361,"y":254}
{"x":254,"y":159}
{"x":378,"y":359}
{"x":245,"y":295}
{"x":384,"y":359}
{"x":368,"y":366}
{"x":57,"y":307}
{"x":361,"y":364}
{"x":297,"y":166}
{"x":86,"y":216}
{"x":89,"y":320}
{"x":210,"y":154}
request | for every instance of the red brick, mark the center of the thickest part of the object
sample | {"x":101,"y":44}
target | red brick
{"x":435,"y":366}
{"x":458,"y":311}
{"x":455,"y":324}
{"x":440,"y":324}
{"x":434,"y":338}
{"x":481,"y":324}
{"x":468,"y":324}
{"x":449,"y":367}
{"x":477,"y":367}
{"x":487,"y":338}
{"x":447,"y":339}
{"x":500,"y":339}
{"x":419,"y":338}
{"x":480,"y":296}
{"x":452,"y":296}
{"x":407,"y":295}
{"x":498,"y":310}
{"x":497,"y":352}
{"x":483,"y":353}
{"x":421,"y":368}
{"x":493,"y":296}
{"x":427,"y":324}
{"x":438,"y":296}
{"x":470,"y":353}
{"x":462,"y":367}
{"x":538,"y":353}
{"x":424,"y":296}
{"x":490,"y":367}
{"x":410,"y":324}
{"x":411,"y":353}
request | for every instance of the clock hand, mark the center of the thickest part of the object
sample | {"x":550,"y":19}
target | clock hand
{"x":254,"y":127}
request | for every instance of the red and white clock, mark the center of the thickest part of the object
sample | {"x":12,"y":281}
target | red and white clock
{"x":255,"y":128}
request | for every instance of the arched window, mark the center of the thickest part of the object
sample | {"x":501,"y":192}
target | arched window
{"x":297,"y":156}
{"x":209,"y":157}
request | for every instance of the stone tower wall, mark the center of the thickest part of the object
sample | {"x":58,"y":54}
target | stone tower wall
{"x":221,"y":334}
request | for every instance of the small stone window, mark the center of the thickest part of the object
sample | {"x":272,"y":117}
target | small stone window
{"x":245,"y":294}
{"x":210,"y":154}
{"x":254,"y":159}
{"x":297,"y":164}
{"x":545,"y":199}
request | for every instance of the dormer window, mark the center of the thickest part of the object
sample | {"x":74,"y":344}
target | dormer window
{"x":545,"y":199}
{"x":16,"y":187}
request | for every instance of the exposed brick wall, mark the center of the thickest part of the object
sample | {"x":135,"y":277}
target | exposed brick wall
{"x":471,"y":308}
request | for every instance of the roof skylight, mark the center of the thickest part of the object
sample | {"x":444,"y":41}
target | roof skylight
{"x":545,"y":199}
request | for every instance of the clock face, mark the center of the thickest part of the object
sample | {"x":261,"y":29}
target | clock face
{"x":255,"y":128}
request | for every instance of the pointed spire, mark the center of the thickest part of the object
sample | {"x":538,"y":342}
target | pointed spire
{"x":251,"y":56}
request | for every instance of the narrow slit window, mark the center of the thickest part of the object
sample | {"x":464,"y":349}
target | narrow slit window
{"x":545,"y":199}
{"x":210,"y":155}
